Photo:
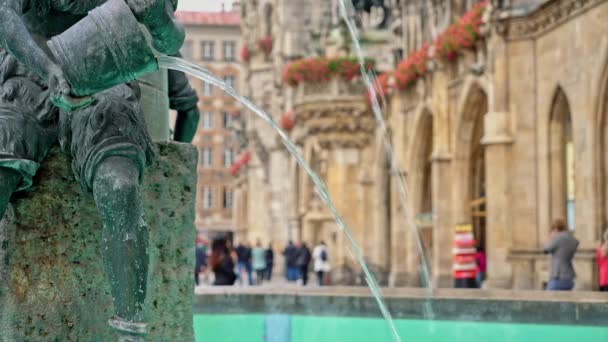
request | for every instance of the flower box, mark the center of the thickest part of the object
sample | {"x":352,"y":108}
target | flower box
{"x":461,"y":35}
{"x":322,"y":70}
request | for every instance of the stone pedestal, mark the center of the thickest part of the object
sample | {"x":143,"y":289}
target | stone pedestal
{"x":58,"y":289}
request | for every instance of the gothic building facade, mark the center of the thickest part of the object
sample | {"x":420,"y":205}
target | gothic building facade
{"x":501,"y":129}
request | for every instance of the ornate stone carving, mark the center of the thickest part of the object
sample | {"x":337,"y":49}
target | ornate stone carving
{"x":543,"y":18}
{"x":335,"y":124}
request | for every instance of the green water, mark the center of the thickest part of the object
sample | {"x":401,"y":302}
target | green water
{"x":250,"y":328}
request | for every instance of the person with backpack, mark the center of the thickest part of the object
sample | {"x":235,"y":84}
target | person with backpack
{"x":291,"y":254}
{"x":321,"y":265}
{"x":303,"y":258}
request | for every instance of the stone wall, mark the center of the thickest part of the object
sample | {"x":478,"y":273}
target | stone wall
{"x":500,"y":306}
{"x":508,"y":85}
{"x":58,"y":289}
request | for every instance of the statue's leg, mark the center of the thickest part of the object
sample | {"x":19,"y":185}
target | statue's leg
{"x":9,"y":180}
{"x":110,"y":149}
{"x":124,"y":235}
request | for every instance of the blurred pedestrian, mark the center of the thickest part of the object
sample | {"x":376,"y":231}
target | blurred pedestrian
{"x":602,"y":263}
{"x":303,"y":261}
{"x":243,"y":254}
{"x":290,"y":254}
{"x":258,"y":257}
{"x":321,"y":265}
{"x":221,"y":263}
{"x":480,"y":260}
{"x":200,"y":250}
{"x":269,"y":262}
{"x":562,"y":246}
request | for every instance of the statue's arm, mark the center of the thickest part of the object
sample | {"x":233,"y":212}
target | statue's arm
{"x":184,"y":100}
{"x":17,"y":40}
{"x":157,"y":15}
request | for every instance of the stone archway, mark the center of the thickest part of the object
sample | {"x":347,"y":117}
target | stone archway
{"x":602,"y":156}
{"x":469,"y":161}
{"x":421,"y":179}
{"x":561,"y":160}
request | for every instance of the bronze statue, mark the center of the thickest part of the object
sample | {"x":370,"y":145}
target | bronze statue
{"x":105,"y":132}
{"x":367,"y":5}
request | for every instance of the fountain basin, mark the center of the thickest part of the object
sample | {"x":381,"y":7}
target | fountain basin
{"x":350,"y":314}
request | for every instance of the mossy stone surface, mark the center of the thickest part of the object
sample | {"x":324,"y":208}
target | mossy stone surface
{"x":58,"y":290}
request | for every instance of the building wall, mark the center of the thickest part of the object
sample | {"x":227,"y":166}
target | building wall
{"x":524,"y":66}
{"x":218,"y":217}
{"x":498,"y":103}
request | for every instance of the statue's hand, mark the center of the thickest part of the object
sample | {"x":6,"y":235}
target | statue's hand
{"x":60,"y":91}
{"x":168,"y":36}
{"x":146,"y":9}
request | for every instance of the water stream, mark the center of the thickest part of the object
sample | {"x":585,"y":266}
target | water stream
{"x":205,"y":75}
{"x":369,"y":79}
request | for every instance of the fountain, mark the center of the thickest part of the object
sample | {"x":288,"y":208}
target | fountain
{"x":54,"y":285}
{"x":101,"y":123}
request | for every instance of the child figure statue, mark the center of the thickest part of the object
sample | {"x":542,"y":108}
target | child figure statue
{"x":105,"y":134}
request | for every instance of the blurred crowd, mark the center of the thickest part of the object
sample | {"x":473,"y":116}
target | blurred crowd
{"x":247,"y":265}
{"x":223,"y":264}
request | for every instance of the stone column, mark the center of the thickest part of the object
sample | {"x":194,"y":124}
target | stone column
{"x":342,"y":183}
{"x":399,"y":275}
{"x":524,"y":187}
{"x":498,"y":219}
{"x":441,"y":265}
{"x":279,"y":198}
{"x":380,"y":221}
{"x":497,"y":140}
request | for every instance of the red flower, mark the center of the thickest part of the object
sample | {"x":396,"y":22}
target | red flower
{"x":242,"y":161}
{"x":288,"y":120}
{"x":412,"y":68}
{"x":319,"y":70}
{"x":265,"y":44}
{"x":462,"y":34}
{"x":234,"y":169}
{"x":245,"y":53}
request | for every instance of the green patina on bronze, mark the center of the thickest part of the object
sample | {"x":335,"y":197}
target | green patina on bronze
{"x":59,"y":291}
{"x":74,"y":93}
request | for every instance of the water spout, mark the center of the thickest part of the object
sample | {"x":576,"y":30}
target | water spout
{"x":346,"y":9}
{"x":203,"y":74}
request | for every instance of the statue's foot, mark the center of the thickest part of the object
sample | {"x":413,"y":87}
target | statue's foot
{"x":128,"y":331}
